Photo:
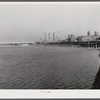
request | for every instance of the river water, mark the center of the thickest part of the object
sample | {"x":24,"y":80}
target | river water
{"x":40,"y":67}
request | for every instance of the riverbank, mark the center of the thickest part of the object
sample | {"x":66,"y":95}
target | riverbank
{"x":91,"y":44}
{"x":73,"y":46}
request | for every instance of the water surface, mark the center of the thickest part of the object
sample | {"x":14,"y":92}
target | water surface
{"x":40,"y":67}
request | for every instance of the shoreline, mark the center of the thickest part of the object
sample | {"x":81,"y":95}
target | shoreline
{"x":89,"y":48}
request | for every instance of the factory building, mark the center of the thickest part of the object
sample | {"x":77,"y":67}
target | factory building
{"x":72,"y":38}
{"x":48,"y":38}
{"x":85,"y":38}
{"x":89,"y":37}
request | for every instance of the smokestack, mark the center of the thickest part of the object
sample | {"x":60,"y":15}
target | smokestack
{"x":49,"y":36}
{"x":96,"y":33}
{"x":53,"y":36}
{"x":45,"y":37}
{"x":88,"y":33}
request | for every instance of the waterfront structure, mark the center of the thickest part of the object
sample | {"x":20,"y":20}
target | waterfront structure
{"x":96,"y":36}
{"x":89,"y":37}
{"x":72,"y":38}
{"x":85,"y":38}
{"x":89,"y":40}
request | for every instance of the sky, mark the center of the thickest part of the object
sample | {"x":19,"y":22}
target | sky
{"x":29,"y":22}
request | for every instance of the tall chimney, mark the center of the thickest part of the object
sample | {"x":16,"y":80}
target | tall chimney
{"x":88,"y":33}
{"x":45,"y":37}
{"x":49,"y":36}
{"x":53,"y":36}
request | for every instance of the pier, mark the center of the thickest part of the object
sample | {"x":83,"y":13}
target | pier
{"x":92,"y":44}
{"x":91,"y":40}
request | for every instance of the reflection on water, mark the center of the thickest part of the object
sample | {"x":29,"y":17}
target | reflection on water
{"x":39,"y":67}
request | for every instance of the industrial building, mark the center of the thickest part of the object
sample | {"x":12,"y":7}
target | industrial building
{"x":72,"y":38}
{"x":88,"y":37}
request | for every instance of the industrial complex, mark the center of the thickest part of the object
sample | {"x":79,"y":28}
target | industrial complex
{"x":88,"y":40}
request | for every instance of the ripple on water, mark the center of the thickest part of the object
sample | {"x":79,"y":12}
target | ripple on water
{"x":38,"y":67}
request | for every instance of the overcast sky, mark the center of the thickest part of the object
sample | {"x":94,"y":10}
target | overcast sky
{"x":29,"y":22}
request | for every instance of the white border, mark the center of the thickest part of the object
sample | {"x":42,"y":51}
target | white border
{"x":40,"y":94}
{"x":82,"y":2}
{"x":28,"y":94}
